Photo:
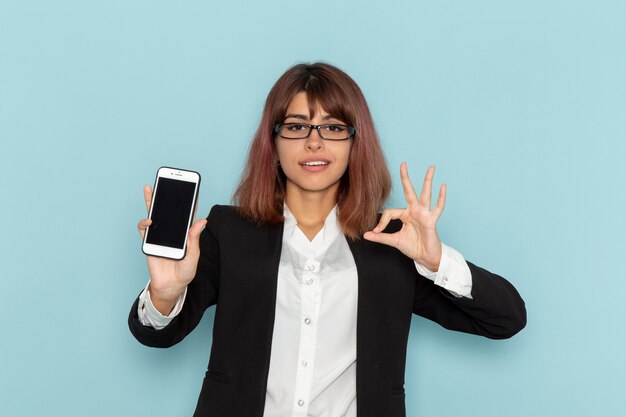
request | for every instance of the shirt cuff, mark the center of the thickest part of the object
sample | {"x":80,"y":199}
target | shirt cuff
{"x":454,"y":275}
{"x":150,"y":316}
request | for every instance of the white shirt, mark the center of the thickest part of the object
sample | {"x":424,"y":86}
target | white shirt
{"x":313,"y":362}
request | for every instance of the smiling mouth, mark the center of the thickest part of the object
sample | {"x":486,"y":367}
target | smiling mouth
{"x":314,"y":164}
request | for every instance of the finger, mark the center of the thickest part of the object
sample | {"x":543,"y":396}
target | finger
{"x":409,"y":191}
{"x":143,"y":225}
{"x":386,"y":217}
{"x":147,"y":196}
{"x":197,"y":228}
{"x":426,"y":193}
{"x":193,"y":241}
{"x":441,"y":200}
{"x":195,"y":209}
{"x":390,"y":239}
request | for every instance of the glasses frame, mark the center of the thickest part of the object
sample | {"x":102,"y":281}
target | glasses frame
{"x":351,"y":130}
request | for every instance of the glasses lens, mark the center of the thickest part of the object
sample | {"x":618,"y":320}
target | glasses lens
{"x":302,"y":130}
{"x":335,"y":132}
{"x":294,"y":130}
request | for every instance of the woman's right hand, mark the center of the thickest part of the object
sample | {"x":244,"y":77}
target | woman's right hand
{"x":168,"y":277}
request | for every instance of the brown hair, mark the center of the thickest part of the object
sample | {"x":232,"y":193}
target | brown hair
{"x":366,"y":183}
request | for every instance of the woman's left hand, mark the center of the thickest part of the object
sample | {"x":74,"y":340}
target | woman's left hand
{"x":418,"y":238}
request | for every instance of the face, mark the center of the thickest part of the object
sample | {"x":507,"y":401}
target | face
{"x":312,"y":165}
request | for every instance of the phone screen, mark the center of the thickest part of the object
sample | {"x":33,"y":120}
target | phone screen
{"x":171,"y":209}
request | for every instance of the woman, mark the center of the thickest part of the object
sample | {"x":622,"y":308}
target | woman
{"x":314,"y":294}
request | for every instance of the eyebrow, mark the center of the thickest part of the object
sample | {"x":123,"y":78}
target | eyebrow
{"x":303,"y":117}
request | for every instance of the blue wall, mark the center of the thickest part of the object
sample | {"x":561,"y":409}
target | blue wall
{"x":521,"y":105}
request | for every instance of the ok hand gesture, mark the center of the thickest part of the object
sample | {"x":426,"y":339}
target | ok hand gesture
{"x":418,"y":238}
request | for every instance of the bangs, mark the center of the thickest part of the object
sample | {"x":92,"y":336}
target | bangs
{"x":329,"y":97}
{"x":322,"y":91}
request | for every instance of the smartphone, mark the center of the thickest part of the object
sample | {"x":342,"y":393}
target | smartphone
{"x":174,"y":198}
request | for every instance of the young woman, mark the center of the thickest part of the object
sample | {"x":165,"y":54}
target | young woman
{"x":314,"y":290}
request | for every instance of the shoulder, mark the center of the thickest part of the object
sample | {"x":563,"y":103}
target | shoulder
{"x":241,"y":238}
{"x":223,"y":215}
{"x":229,"y":218}
{"x":219,"y":211}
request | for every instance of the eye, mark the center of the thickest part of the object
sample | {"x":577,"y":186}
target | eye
{"x":335,"y":128}
{"x":295,"y":127}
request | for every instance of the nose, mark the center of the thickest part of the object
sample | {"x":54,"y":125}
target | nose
{"x":314,"y":142}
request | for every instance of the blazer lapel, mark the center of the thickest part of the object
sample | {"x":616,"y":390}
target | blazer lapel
{"x":365,"y":306}
{"x":268,"y":278}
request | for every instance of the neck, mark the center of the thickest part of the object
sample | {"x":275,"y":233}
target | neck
{"x":310,"y":208}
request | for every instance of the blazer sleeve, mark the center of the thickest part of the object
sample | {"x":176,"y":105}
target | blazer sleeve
{"x":202,"y":293}
{"x":496,"y":309}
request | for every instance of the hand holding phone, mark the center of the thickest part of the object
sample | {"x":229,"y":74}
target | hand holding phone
{"x":172,"y":258}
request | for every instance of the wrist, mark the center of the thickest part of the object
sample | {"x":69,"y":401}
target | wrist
{"x":164,"y":300}
{"x":432,"y":257}
{"x":434,"y":267}
{"x":432,"y":264}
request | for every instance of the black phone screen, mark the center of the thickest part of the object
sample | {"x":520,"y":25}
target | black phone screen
{"x":171,"y":209}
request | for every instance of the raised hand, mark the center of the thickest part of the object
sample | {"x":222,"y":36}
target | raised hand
{"x":418,"y":238}
{"x":169,"y":277}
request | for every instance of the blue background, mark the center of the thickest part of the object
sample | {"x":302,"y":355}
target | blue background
{"x":521,"y":105}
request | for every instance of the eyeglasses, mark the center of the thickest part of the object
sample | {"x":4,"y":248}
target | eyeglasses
{"x":303,"y":130}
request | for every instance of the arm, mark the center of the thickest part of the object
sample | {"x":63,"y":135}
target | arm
{"x":493,"y":308}
{"x":496,"y":310}
{"x":202,"y":292}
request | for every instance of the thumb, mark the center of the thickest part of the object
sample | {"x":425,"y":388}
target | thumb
{"x":389,"y":239}
{"x":193,"y":241}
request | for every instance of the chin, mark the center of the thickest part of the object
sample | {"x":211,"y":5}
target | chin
{"x":316,"y":186}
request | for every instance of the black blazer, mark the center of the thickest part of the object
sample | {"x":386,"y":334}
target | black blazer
{"x":238,"y":271}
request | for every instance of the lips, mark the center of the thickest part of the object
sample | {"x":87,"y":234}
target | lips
{"x":314,"y":165}
{"x":314,"y":162}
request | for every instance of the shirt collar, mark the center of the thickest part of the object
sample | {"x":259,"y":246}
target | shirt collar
{"x":324,"y":237}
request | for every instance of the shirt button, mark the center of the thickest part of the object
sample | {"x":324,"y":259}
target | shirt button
{"x":307,"y":321}
{"x":312,"y":265}
{"x":300,"y":403}
{"x":444,"y":281}
{"x":309,"y":281}
{"x":304,"y":363}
